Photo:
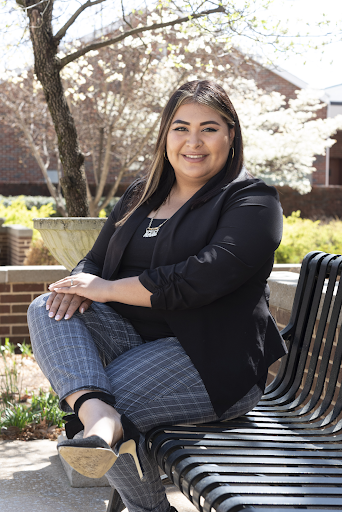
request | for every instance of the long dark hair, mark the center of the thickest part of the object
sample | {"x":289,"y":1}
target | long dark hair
{"x":161,"y":175}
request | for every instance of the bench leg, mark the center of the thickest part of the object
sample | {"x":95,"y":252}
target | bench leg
{"x":115,"y":502}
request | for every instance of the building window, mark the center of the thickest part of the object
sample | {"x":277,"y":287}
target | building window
{"x":53,"y":175}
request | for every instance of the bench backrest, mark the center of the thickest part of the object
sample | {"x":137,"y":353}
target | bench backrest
{"x":310,"y":374}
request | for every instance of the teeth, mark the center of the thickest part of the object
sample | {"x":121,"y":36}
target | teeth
{"x":194,"y":156}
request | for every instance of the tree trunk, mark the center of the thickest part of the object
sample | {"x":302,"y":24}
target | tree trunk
{"x":47,"y":69}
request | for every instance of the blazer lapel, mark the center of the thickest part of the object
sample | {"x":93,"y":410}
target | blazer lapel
{"x":123,"y":234}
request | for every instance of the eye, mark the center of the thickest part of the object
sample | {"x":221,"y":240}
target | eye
{"x":180,"y":129}
{"x":209,"y":130}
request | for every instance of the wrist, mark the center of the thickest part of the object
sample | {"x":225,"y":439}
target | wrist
{"x":110,"y":291}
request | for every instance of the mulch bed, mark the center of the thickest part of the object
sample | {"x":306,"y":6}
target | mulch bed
{"x":31,"y":432}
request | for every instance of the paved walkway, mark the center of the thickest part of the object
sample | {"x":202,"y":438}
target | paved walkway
{"x":32,"y":479}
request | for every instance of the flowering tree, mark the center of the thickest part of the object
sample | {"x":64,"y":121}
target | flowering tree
{"x":281,"y":141}
{"x":116,"y":94}
{"x":116,"y":115}
{"x":214,"y":16}
{"x":116,"y":97}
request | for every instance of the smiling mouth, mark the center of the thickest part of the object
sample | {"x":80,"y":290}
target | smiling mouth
{"x":194,"y":156}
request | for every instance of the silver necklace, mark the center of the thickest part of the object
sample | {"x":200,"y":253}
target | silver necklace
{"x":150,"y":232}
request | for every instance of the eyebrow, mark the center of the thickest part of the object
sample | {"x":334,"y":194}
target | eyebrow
{"x":179,"y":121}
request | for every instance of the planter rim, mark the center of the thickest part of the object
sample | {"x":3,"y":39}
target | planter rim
{"x":70,"y":223}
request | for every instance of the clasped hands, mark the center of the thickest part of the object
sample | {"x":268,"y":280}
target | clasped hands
{"x":76,"y":293}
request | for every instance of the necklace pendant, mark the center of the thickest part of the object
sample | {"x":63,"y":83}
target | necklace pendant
{"x":150,"y":232}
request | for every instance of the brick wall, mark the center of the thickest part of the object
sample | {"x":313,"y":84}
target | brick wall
{"x":19,"y":241}
{"x":3,"y":245}
{"x":15,"y":298}
{"x":15,"y":241}
{"x":336,"y":149}
{"x":19,"y":286}
{"x":16,"y":162}
{"x":319,"y":203}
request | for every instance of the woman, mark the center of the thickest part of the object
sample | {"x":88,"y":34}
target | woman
{"x":179,"y":329}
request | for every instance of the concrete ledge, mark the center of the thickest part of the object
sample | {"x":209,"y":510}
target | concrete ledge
{"x":32,"y":273}
{"x":19,"y":231}
{"x":283,"y":288}
{"x":287,"y":267}
{"x":52,"y":273}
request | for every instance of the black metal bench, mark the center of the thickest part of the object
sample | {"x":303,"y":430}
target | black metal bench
{"x":286,"y":454}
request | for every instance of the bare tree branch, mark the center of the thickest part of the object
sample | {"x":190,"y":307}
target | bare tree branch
{"x":61,"y":33}
{"x":95,"y":46}
{"x":90,"y":199}
{"x":105,"y":168}
{"x":36,"y":154}
{"x":127,"y":165}
{"x":114,"y":188}
{"x":124,"y":16}
{"x":97,"y":171}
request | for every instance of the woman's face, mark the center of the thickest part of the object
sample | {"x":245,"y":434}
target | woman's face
{"x":198,"y":144}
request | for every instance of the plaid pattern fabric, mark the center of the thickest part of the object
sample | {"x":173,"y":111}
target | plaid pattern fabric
{"x":154,"y":383}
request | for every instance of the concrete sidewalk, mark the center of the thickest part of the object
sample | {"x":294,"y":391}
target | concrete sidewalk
{"x":32,"y":479}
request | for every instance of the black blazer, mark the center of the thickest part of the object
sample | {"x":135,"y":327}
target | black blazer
{"x":208,"y":276}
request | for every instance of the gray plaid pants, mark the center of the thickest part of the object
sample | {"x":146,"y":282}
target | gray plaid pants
{"x":153,"y":383}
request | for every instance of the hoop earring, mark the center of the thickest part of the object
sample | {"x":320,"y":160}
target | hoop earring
{"x":165,"y":155}
{"x":233,"y":153}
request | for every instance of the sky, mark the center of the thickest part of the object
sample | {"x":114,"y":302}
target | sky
{"x":319,"y":68}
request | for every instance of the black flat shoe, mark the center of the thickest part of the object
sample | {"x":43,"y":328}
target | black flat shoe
{"x":92,"y":456}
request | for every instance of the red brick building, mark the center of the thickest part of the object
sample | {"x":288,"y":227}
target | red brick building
{"x":20,"y":174}
{"x":334,"y":154}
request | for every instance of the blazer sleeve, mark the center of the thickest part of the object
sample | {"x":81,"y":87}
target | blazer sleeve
{"x":248,"y":232}
{"x":93,"y":262}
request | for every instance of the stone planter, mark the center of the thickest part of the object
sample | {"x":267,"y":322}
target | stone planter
{"x":69,"y":238}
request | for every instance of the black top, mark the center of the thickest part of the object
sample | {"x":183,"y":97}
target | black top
{"x":148,"y":322}
{"x":208,"y":277}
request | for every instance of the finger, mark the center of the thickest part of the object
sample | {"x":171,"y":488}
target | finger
{"x":69,"y":290}
{"x":63,"y":306}
{"x":56,"y":302}
{"x":85,"y":305}
{"x":65,"y":282}
{"x":61,"y":282}
{"x":74,"y":304}
{"x":50,"y":300}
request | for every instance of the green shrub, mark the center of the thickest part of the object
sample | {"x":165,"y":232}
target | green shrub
{"x":38,"y":201}
{"x":18,"y":213}
{"x":304,"y":235}
{"x":30,"y":201}
{"x":44,"y":406}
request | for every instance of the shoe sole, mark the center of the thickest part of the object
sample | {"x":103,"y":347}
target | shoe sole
{"x":90,"y":462}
